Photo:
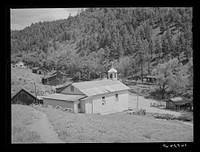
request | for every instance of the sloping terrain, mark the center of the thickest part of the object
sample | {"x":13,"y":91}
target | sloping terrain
{"x":117,"y":127}
{"x":31,"y":126}
{"x":23,"y":77}
{"x":22,"y":117}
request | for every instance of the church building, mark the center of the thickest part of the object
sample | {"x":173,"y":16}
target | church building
{"x":93,"y":97}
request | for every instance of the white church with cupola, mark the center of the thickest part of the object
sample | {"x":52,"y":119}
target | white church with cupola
{"x":93,"y":97}
{"x":112,"y":73}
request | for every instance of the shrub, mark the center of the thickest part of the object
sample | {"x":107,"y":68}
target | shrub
{"x":184,"y":118}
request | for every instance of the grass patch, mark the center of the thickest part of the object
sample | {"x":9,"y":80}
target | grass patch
{"x":23,"y":135}
{"x":147,"y":136}
{"x":117,"y":127}
{"x":22,"y":117}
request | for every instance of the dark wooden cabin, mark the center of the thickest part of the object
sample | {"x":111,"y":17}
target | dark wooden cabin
{"x":150,"y":79}
{"x":39,"y":70}
{"x":178,"y":103}
{"x":23,"y":96}
{"x":54,"y":78}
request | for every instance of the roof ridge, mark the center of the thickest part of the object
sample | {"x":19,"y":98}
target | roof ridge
{"x":19,"y":89}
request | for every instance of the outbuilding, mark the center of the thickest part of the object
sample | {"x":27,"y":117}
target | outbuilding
{"x":178,"y":103}
{"x":23,"y":96}
{"x":39,"y":70}
{"x":20,"y":64}
{"x":54,"y":78}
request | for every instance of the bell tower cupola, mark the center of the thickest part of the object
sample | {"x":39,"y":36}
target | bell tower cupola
{"x":112,"y":73}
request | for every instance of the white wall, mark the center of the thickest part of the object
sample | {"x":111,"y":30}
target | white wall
{"x":82,"y":106}
{"x":95,"y":105}
{"x":88,"y":107}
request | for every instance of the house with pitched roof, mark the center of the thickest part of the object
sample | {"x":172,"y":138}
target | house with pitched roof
{"x":93,"y":97}
{"x":25,"y":97}
{"x":20,"y":64}
{"x":39,"y":70}
{"x":54,"y":78}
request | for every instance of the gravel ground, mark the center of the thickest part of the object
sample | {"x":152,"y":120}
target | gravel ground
{"x":145,"y":104}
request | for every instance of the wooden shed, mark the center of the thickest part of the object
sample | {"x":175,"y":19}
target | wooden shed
{"x":39,"y":70}
{"x":54,"y":78}
{"x":20,"y":64}
{"x":150,"y":79}
{"x":23,"y":96}
{"x":178,"y":103}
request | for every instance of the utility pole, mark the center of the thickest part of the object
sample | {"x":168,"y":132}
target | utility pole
{"x":137,"y":97}
{"x":35,"y":93}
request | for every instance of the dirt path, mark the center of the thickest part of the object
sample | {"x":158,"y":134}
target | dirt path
{"x":145,"y":104}
{"x":44,"y":129}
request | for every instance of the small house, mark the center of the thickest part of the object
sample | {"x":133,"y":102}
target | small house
{"x":13,"y":65}
{"x":54,"y":78}
{"x":23,"y":96}
{"x":150,"y":79}
{"x":39,"y":70}
{"x":93,"y":97}
{"x":178,"y":103}
{"x":20,"y":64}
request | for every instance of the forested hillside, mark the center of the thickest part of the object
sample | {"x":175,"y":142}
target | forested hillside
{"x":140,"y":41}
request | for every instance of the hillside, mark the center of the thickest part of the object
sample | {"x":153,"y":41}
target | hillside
{"x":79,"y":128}
{"x":139,"y":41}
{"x":21,"y":77}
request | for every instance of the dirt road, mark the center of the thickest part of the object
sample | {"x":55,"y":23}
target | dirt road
{"x":145,"y":104}
{"x":44,"y":129}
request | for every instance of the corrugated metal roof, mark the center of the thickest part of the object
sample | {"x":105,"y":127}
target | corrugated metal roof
{"x":64,"y":97}
{"x":35,"y":68}
{"x":176,"y":99}
{"x":40,"y":97}
{"x":91,"y":88}
{"x":48,"y":76}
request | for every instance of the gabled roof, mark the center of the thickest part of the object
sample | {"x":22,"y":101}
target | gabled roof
{"x":63,"y":86}
{"x":176,"y":99}
{"x":48,"y":76}
{"x":91,"y":88}
{"x":150,"y":76}
{"x":112,"y":70}
{"x":53,"y":73}
{"x":36,"y":68}
{"x":19,"y":90}
{"x":64,"y":97}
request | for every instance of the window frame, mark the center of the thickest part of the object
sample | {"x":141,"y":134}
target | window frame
{"x":103,"y":103}
{"x":117,"y":97}
{"x":72,"y":88}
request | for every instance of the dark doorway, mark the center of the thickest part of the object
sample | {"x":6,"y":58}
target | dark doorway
{"x":79,"y":107}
